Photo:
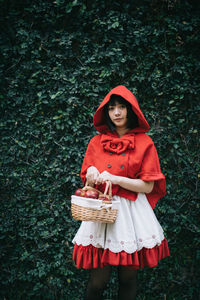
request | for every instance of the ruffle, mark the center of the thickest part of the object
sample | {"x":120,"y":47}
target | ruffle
{"x":89,"y":257}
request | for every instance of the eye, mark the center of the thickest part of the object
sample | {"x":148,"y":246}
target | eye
{"x":110,"y":108}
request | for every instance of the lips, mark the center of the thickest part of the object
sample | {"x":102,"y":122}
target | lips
{"x":118,"y":119}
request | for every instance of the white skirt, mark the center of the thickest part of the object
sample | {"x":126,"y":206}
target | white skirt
{"x":136,"y":227}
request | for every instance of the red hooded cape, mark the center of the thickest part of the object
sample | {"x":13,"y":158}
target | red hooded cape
{"x":132,"y":155}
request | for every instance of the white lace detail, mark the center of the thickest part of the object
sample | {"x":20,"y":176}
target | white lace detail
{"x":118,"y":246}
{"x":136,"y":227}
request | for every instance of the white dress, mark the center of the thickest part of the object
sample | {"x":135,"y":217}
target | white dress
{"x":136,"y":227}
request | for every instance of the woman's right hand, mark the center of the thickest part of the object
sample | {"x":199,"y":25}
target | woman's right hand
{"x":92,"y":175}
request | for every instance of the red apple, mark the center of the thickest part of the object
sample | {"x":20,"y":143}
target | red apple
{"x":92,"y":194}
{"x":80,"y":192}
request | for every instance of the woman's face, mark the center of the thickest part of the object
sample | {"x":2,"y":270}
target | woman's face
{"x":118,"y":114}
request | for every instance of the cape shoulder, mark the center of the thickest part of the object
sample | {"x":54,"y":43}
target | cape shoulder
{"x":144,"y":137}
{"x":143,"y":140}
{"x":96,"y":138}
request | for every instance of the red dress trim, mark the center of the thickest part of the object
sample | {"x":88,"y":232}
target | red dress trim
{"x":89,"y":257}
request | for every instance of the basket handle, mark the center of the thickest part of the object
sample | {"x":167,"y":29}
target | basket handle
{"x":88,"y":187}
{"x":108,"y":189}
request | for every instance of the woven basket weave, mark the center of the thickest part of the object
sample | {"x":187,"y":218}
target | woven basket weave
{"x":87,"y":209}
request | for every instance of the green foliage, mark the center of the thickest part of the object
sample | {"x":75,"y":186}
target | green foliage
{"x":58,"y":61}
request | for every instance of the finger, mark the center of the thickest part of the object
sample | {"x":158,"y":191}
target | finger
{"x":90,"y":179}
{"x":95,"y":176}
{"x":99,"y":180}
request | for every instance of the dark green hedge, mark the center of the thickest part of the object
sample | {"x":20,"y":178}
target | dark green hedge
{"x":58,"y":61}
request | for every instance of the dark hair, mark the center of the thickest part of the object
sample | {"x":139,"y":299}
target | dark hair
{"x":131,"y":116}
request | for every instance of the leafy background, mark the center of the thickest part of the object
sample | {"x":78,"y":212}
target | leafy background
{"x":58,"y":61}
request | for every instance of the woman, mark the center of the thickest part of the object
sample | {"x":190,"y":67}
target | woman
{"x":125,"y":155}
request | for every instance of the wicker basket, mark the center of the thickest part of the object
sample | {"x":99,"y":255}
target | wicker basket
{"x":96,"y":210}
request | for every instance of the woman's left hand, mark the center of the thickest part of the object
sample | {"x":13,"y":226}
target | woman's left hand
{"x":132,"y":184}
{"x":105,"y":176}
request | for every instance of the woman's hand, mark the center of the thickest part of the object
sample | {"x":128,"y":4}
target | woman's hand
{"x":135,"y":185}
{"x":92,"y":175}
{"x":105,"y":176}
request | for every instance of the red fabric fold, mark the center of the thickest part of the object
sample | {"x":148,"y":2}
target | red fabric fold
{"x":117,"y":145}
{"x":88,"y":257}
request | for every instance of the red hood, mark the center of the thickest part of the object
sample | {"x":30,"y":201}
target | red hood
{"x":99,"y":120}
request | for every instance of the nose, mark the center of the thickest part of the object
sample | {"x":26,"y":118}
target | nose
{"x":117,"y":111}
